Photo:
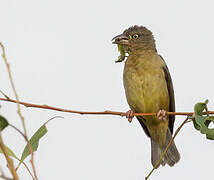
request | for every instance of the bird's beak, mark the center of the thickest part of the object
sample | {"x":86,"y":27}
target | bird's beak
{"x":121,"y":39}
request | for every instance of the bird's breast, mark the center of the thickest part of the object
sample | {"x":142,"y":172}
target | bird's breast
{"x":145,"y":84}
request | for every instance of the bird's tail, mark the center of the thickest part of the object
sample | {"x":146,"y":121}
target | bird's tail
{"x":171,"y":157}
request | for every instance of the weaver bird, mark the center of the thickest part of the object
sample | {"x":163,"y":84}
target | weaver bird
{"x":148,"y":87}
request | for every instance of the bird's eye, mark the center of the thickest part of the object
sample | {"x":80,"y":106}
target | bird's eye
{"x":135,"y":36}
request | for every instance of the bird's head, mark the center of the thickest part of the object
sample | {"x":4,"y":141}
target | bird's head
{"x":135,"y":39}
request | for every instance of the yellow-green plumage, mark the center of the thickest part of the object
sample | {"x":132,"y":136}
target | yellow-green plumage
{"x":146,"y":90}
{"x":148,"y":87}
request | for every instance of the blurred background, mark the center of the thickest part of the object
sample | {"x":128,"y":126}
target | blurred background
{"x":61,"y":54}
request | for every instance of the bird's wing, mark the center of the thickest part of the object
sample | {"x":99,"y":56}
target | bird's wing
{"x":171,"y":95}
{"x":141,"y":121}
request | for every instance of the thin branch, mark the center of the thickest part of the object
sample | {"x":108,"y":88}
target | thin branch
{"x":5,"y":95}
{"x":167,"y":148}
{"x":107,"y":112}
{"x":20,"y":132}
{"x":27,"y":169}
{"x":18,"y":106}
{"x":17,"y":158}
{"x":9,"y":160}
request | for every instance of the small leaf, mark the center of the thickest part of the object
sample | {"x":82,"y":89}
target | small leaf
{"x":3,"y":122}
{"x":196,"y":125}
{"x":10,"y":152}
{"x":34,"y":141}
{"x":121,"y":50}
{"x":210,"y":134}
{"x":201,"y":122}
{"x":200,"y":107}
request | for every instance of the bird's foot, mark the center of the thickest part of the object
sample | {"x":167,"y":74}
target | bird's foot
{"x":161,"y":115}
{"x":130,"y":115}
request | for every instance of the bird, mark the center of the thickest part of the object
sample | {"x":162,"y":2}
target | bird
{"x":149,"y":88}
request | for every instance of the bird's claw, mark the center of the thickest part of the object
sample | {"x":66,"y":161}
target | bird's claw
{"x":161,"y":115}
{"x":130,"y":115}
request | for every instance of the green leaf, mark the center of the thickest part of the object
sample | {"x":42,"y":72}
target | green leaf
{"x":197,"y":127}
{"x":34,"y":141}
{"x":200,"y":107}
{"x":10,"y":152}
{"x":201,"y":122}
{"x":121,"y":50}
{"x":3,"y":122}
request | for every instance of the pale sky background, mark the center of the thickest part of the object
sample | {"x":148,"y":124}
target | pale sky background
{"x":61,"y":55}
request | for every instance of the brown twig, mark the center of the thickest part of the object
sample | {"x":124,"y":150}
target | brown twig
{"x":18,"y":106}
{"x":107,"y":112}
{"x":5,"y":95}
{"x":9,"y":160}
{"x":4,"y":177}
{"x":27,"y":169}
{"x":167,"y":148}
